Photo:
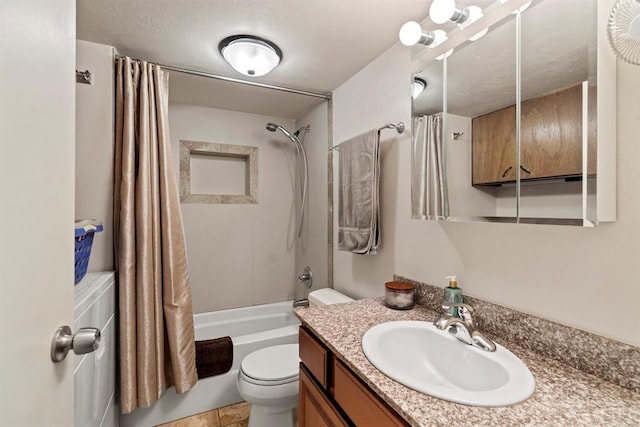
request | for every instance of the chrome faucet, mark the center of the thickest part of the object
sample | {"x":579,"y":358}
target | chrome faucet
{"x":303,"y":302}
{"x":462,"y":326}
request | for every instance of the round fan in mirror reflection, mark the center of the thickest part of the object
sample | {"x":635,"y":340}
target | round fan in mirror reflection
{"x":624,"y":30}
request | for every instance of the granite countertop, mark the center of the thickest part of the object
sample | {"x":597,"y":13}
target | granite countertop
{"x":563,"y":395}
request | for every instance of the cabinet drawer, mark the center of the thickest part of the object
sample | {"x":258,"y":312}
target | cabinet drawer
{"x":358,"y":402}
{"x":314,"y":356}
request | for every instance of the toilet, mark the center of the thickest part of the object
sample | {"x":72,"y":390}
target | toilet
{"x":268,"y":378}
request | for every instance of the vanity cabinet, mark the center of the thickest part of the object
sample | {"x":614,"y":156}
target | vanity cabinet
{"x":550,"y":140}
{"x":332,"y":395}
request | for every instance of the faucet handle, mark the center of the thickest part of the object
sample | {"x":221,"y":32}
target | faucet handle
{"x":464,"y":311}
{"x":462,"y":307}
{"x":459,"y":305}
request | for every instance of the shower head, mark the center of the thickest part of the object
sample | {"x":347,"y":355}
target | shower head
{"x":272,"y":127}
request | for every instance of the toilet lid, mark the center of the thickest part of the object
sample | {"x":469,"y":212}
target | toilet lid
{"x":276,"y":363}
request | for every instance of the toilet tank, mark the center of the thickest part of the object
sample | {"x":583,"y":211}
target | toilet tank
{"x":326,"y":296}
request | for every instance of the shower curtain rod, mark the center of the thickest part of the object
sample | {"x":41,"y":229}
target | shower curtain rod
{"x":326,"y":96}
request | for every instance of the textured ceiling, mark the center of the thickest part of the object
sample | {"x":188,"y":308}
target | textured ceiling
{"x":324,"y":41}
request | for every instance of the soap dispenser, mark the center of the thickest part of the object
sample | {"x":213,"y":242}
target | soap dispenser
{"x":452,"y":293}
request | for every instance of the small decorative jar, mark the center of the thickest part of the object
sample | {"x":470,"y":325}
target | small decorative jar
{"x":399,"y":295}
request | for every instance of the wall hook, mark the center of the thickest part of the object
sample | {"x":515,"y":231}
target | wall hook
{"x":84,"y":77}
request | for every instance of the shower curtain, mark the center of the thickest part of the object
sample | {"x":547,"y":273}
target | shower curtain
{"x":157,"y":347}
{"x":429,"y":198}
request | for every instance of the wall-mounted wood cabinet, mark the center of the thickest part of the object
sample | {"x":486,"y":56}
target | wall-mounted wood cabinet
{"x":550,"y":139}
{"x":494,"y":147}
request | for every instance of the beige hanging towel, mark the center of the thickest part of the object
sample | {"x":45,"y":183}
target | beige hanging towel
{"x":358,"y":194}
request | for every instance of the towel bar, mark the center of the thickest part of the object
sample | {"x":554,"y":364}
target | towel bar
{"x":399,"y":127}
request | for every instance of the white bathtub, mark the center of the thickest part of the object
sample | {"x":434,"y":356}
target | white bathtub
{"x":250,"y":328}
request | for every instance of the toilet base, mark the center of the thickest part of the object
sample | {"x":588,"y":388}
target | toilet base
{"x":266,"y":416}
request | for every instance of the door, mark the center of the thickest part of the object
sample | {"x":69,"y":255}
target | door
{"x":37,"y":96}
{"x":494,"y":147}
{"x":314,"y":408}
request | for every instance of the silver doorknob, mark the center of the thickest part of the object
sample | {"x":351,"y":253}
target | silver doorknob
{"x":84,"y":341}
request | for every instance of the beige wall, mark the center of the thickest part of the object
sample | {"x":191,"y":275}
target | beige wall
{"x":240,"y":255}
{"x":577,"y":276}
{"x":94,"y":148}
{"x":311,"y":249}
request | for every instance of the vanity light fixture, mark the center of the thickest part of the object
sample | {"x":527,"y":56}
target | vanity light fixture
{"x":418,"y":85}
{"x":250,"y":55}
{"x":442,"y":11}
{"x":411,"y":33}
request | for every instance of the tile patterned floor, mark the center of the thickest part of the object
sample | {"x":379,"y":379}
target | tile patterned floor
{"x":236,"y":415}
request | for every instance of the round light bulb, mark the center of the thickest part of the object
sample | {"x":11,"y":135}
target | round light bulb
{"x":410,"y":33}
{"x":441,"y":11}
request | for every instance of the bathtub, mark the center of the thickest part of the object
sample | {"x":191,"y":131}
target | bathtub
{"x":250,"y":328}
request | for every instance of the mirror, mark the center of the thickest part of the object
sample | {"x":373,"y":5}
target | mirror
{"x":556,"y":137}
{"x":519,"y":153}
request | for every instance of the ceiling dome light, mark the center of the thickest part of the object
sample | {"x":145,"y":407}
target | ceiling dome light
{"x":250,"y":55}
{"x":411,"y":33}
{"x":417,"y":87}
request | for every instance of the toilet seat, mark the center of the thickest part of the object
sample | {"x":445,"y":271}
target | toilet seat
{"x":271,"y":366}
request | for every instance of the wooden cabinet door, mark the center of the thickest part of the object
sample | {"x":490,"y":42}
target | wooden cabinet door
{"x":551,"y":135}
{"x":359,"y":403}
{"x":314,"y":408}
{"x":494,"y":147}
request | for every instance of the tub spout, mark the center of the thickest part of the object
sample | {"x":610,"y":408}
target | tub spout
{"x":303,"y":302}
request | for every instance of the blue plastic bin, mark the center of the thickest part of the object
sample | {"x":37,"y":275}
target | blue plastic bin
{"x":84,"y":233}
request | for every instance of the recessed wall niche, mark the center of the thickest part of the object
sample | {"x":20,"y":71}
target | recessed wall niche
{"x":213,"y":173}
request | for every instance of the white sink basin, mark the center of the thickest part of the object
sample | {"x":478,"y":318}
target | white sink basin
{"x":431,"y":361}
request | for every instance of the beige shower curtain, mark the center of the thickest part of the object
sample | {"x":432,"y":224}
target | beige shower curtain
{"x":157,"y":346}
{"x":429,"y":196}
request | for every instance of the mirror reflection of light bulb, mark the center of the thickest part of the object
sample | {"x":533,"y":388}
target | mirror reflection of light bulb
{"x":410,"y":33}
{"x":479,"y":35}
{"x":439,"y":37}
{"x":444,"y":55}
{"x":475,"y":13}
{"x":521,"y":9}
{"x":524,"y":7}
{"x":441,"y":11}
